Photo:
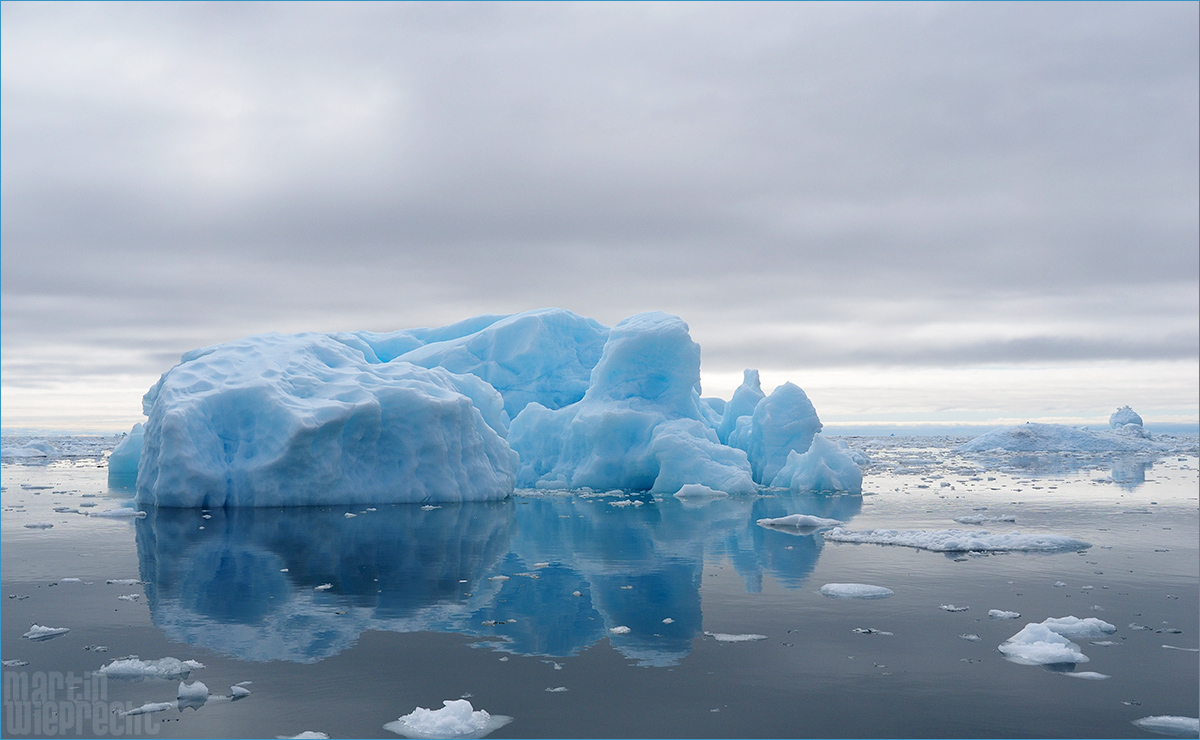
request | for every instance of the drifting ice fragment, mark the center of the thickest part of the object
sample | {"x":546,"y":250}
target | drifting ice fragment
{"x":725,"y":637}
{"x":697,"y":492}
{"x":959,"y":540}
{"x":122,"y":513}
{"x":557,"y":690}
{"x":620,"y":630}
{"x":1077,"y":629}
{"x":19,"y":663}
{"x":193,"y":695}
{"x":970,"y":637}
{"x":798,"y":521}
{"x":855,"y":591}
{"x":1168,"y":725}
{"x":306,"y":735}
{"x":1037,"y":644}
{"x":953,"y":608}
{"x":37,"y":632}
{"x":1087,"y":675}
{"x":131,"y":668}
{"x":1001,"y":614}
{"x":457,"y":719}
{"x":150,"y":708}
{"x":981,"y":519}
{"x":39,"y":525}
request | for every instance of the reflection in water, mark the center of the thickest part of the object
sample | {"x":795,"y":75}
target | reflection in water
{"x":300,"y":584}
{"x":1128,"y":469}
{"x":1130,"y":472}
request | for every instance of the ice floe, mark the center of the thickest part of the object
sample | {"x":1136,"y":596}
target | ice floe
{"x":148,"y":708}
{"x":1165,"y":724}
{"x":798,"y":521}
{"x":37,"y":632}
{"x":952,"y":608}
{"x":959,"y":540}
{"x":619,"y":630}
{"x":1079,"y":629}
{"x":131,"y":668}
{"x":456,"y":719}
{"x":855,"y":591}
{"x":985,"y":519}
{"x":194,"y":695}
{"x":1002,"y":614}
{"x":726,"y":637}
{"x":1087,"y":675}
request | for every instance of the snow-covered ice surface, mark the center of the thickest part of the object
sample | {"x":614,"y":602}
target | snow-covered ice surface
{"x":959,"y":540}
{"x":798,"y":521}
{"x":1164,"y":724}
{"x":495,"y":601}
{"x":855,"y":591}
{"x":131,"y":668}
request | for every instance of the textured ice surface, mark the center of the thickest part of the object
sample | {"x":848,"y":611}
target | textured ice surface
{"x":306,"y":419}
{"x":825,"y":466}
{"x":798,"y":521}
{"x":959,"y":540}
{"x":744,"y":400}
{"x":697,"y":492}
{"x":782,"y":423}
{"x":1002,"y":614}
{"x":131,"y":668}
{"x":1037,"y":644}
{"x":639,"y":426}
{"x":1166,"y":724}
{"x":1123,"y":416}
{"x":855,"y":591}
{"x":1033,"y":437}
{"x":194,"y":695}
{"x":149,"y":708}
{"x":726,"y":637}
{"x":457,"y":719}
{"x":123,"y":462}
{"x":1079,"y":629}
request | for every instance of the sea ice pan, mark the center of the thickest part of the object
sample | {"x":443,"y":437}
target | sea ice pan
{"x":959,"y":540}
{"x":855,"y":591}
{"x":798,"y":521}
{"x":457,"y":719}
{"x":38,"y":633}
{"x":1165,"y":724}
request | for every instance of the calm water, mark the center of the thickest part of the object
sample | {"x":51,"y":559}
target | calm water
{"x":501,"y":602}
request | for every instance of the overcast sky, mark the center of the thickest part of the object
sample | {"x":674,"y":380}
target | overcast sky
{"x":944,"y":212}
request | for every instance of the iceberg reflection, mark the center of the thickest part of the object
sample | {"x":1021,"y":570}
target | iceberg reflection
{"x":546,"y":576}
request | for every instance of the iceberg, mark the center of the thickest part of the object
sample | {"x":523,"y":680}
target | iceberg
{"x":131,"y":668}
{"x":825,"y":466}
{"x":1124,"y":416}
{"x":544,"y":399}
{"x":1035,"y":437}
{"x":782,"y":423}
{"x":798,"y":521}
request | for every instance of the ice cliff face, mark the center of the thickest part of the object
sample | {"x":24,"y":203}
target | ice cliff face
{"x":542,"y":399}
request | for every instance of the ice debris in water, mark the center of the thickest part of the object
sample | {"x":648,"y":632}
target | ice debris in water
{"x":39,"y":525}
{"x":131,"y":668}
{"x":149,"y":708}
{"x":1037,"y":644}
{"x":984,"y":519}
{"x":798,"y":521}
{"x":37,"y":632}
{"x":698,"y":492}
{"x":1002,"y":614}
{"x":456,"y":719}
{"x":122,"y":513}
{"x":123,"y":582}
{"x":557,"y":690}
{"x":1087,"y":675}
{"x":323,"y":587}
{"x":953,"y":608}
{"x":130,"y":597}
{"x":1166,"y":724}
{"x":959,"y":540}
{"x":193,"y":695}
{"x":306,"y":735}
{"x":619,"y":630}
{"x":13,"y":663}
{"x":855,"y":591}
{"x":725,"y":637}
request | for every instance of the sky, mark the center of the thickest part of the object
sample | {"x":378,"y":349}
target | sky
{"x":952,"y":213}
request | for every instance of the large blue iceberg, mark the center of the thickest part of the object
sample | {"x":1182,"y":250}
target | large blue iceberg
{"x":466,"y":412}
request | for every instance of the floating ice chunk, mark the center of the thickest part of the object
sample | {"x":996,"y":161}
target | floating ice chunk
{"x":429,"y":507}
{"x":726,"y":637}
{"x":133,"y":669}
{"x":619,"y":630}
{"x":782,"y":423}
{"x":39,"y":525}
{"x":855,"y":591}
{"x":1059,"y":584}
{"x":668,"y":620}
{"x":122,"y":513}
{"x":1087,"y":675}
{"x":70,"y":580}
{"x":959,"y":540}
{"x":1033,"y":437}
{"x":557,"y":690}
{"x":872,"y":631}
{"x":130,"y":597}
{"x":953,"y":608}
{"x":13,"y":663}
{"x":37,"y":632}
{"x":1165,"y":724}
{"x":150,"y":708}
{"x":698,"y":492}
{"x":1002,"y":614}
{"x":193,"y":695}
{"x":32,"y":448}
{"x":350,"y":515}
{"x":323,"y":587}
{"x":238,"y":691}
{"x":1172,"y":647}
{"x":984,"y":519}
{"x":498,"y":578}
{"x":457,"y":719}
{"x":124,"y":582}
{"x":306,"y":735}
{"x":798,"y":521}
{"x":970,"y":637}
{"x":822,"y":467}
{"x":1037,"y":644}
{"x":1079,"y":629}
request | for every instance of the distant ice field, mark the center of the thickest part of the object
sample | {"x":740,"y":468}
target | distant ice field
{"x":589,"y":613}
